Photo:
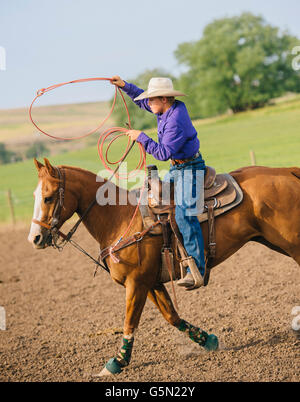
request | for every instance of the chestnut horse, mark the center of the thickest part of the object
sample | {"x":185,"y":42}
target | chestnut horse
{"x":269,"y":214}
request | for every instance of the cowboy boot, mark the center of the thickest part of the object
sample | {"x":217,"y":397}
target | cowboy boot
{"x":187,"y":281}
{"x":193,"y":279}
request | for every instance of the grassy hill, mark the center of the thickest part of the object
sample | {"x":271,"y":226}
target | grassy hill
{"x":273,"y":133}
{"x":66,"y":120}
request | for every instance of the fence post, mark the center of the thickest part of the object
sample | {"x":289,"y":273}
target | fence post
{"x":253,"y":158}
{"x":11,"y":206}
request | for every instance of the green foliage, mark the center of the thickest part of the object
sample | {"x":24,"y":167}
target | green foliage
{"x":37,"y":149}
{"x":7,"y":156}
{"x":140,"y":119}
{"x":240,"y":63}
{"x":4,"y":154}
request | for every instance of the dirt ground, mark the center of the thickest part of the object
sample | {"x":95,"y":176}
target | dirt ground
{"x":63,"y":325}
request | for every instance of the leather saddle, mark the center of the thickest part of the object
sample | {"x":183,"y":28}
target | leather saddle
{"x":221,"y":193}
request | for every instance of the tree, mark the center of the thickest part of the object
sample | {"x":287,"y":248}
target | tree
{"x":240,"y":63}
{"x":140,"y":119}
{"x":7,"y":156}
{"x":36,"y":149}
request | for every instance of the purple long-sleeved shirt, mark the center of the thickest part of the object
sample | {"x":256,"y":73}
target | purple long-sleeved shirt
{"x":177,"y":137}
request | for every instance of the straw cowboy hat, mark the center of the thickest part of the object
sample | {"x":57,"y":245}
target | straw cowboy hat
{"x":159,"y":87}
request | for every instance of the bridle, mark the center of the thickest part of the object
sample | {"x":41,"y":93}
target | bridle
{"x":55,"y":233}
{"x":52,"y":227}
{"x":60,"y":202}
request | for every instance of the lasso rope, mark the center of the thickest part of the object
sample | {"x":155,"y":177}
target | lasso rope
{"x":103,"y":138}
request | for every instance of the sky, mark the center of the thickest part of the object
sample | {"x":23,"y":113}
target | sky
{"x":44,"y":42}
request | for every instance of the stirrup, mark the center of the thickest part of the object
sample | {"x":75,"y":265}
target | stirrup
{"x":198,"y":279}
{"x":187,"y":281}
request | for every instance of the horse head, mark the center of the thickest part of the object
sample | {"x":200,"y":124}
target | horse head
{"x":52,"y":206}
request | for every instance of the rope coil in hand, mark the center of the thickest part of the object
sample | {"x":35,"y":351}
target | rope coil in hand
{"x":103,"y":137}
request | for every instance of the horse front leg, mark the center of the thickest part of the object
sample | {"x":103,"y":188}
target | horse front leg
{"x":163,"y":302}
{"x":136,"y":294}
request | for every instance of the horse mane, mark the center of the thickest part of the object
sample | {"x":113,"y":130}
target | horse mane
{"x":80,"y":170}
{"x":45,"y":173}
{"x":75,"y":168}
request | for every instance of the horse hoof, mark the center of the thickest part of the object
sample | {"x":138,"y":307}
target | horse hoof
{"x":104,"y":372}
{"x":111,"y":367}
{"x":212,"y":342}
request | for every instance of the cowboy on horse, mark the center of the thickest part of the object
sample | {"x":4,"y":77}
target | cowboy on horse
{"x":249,"y":196}
{"x":178,"y":142}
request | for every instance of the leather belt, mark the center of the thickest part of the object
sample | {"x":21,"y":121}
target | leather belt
{"x":181,"y":161}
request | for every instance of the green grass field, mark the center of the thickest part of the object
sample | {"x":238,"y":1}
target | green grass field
{"x":273,"y":133}
{"x":64,"y":120}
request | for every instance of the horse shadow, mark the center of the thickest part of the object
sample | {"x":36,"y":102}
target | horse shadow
{"x":278,"y":338}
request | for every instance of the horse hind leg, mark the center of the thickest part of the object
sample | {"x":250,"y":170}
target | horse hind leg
{"x":160,"y":297}
{"x":163,"y":302}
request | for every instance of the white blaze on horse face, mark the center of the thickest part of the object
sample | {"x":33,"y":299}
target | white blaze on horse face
{"x":35,"y":229}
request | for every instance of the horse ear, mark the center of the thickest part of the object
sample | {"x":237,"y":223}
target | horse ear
{"x":49,"y":167}
{"x":38,"y":164}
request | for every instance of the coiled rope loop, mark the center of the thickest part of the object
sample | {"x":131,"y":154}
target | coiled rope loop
{"x":117,"y":132}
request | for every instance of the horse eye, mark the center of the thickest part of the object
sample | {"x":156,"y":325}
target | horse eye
{"x":47,"y":200}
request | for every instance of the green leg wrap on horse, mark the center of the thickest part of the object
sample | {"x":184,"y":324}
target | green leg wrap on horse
{"x":116,"y":364}
{"x":209,"y":342}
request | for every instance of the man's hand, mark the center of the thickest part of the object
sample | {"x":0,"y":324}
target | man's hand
{"x":116,"y":80}
{"x":133,"y":134}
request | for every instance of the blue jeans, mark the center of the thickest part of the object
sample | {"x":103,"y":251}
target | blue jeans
{"x":188,"y":179}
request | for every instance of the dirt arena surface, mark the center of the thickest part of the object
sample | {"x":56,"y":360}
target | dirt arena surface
{"x":63,"y":325}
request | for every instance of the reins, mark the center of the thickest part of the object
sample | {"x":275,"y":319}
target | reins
{"x":67,"y":240}
{"x":55,"y":232}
